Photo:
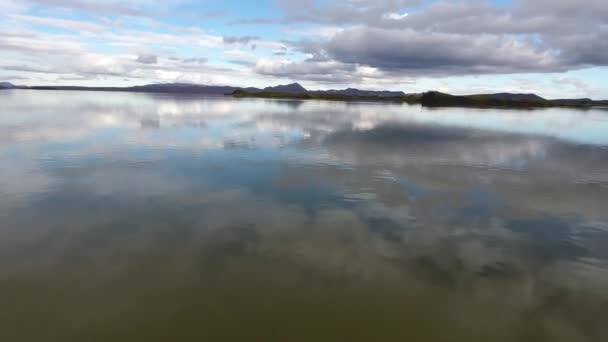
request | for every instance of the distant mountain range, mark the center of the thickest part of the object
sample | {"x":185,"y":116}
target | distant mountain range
{"x":6,"y":85}
{"x":363,"y":93}
{"x":186,"y":88}
{"x":297,"y":91}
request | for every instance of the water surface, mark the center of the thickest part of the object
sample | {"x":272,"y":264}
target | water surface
{"x":139,"y":217}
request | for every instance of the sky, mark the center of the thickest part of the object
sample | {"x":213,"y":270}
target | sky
{"x":555,"y":48}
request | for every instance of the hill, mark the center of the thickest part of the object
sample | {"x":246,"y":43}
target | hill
{"x":361,"y":93}
{"x":506,"y":100}
{"x":6,"y":85}
{"x":294,"y":88}
{"x":171,"y":88}
{"x":296,"y":91}
{"x":513,"y":97}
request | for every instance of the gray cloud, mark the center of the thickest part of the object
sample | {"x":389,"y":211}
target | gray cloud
{"x":147,"y":59}
{"x":239,"y":39}
{"x":343,"y":12}
{"x":130,"y":8}
{"x":242,"y":62}
{"x":200,"y":60}
{"x":206,"y":15}
{"x":458,"y":37}
{"x":322,"y":72}
{"x":453,"y":16}
{"x":28,"y":68}
{"x":438,"y":53}
{"x":257,"y":21}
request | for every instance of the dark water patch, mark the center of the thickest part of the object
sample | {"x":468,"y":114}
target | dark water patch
{"x":551,"y":237}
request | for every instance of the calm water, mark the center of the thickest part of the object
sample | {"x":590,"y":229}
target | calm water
{"x":135,"y":217}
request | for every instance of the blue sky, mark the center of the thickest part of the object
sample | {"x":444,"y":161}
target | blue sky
{"x":550,"y":47}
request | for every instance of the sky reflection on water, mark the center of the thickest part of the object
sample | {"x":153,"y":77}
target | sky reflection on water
{"x":152,"y":217}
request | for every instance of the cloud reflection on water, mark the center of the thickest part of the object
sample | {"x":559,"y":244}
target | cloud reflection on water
{"x":454,"y":222}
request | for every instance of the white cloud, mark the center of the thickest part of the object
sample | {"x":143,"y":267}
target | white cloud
{"x":395,"y":16}
{"x":59,"y":23}
{"x":240,"y":54}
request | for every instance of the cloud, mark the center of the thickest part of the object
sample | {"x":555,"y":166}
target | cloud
{"x":343,"y":12}
{"x":395,"y":16}
{"x":15,"y":77}
{"x":257,"y":21}
{"x":35,"y":43}
{"x":199,"y":60}
{"x":240,"y":54}
{"x":147,"y":59}
{"x":459,"y":37}
{"x":29,"y":68}
{"x":239,"y":39}
{"x":59,"y":23}
{"x":438,"y":53}
{"x":120,"y":7}
{"x":327,"y":71}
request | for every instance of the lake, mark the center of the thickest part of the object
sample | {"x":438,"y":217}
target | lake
{"x":150,"y":217}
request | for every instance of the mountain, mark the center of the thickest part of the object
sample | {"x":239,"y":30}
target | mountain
{"x":513,"y":97}
{"x":296,"y":88}
{"x":172,"y":88}
{"x":601,"y":103}
{"x":168,"y":88}
{"x":293,"y":88}
{"x":183,"y":88}
{"x":581,"y":102}
{"x":361,"y":93}
{"x":437,"y":99}
{"x":6,"y":85}
{"x":297,"y":91}
{"x":507,"y":100}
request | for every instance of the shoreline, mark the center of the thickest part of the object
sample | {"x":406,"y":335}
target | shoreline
{"x":431,"y":99}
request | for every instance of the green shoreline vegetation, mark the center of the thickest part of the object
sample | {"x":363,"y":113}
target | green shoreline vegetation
{"x":433,"y":99}
{"x":411,"y":99}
